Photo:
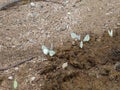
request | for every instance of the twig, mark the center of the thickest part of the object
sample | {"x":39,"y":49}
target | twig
{"x":17,"y":64}
{"x":14,"y":2}
{"x":9,"y":4}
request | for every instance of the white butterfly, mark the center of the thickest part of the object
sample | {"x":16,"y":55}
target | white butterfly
{"x":15,"y":84}
{"x":110,"y":32}
{"x":46,"y":51}
{"x":86,"y":38}
{"x":75,"y":36}
{"x":81,"y":44}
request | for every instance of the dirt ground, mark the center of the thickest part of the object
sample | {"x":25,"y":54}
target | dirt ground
{"x":25,"y":28}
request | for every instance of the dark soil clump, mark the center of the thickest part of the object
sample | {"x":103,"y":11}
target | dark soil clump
{"x":89,"y":68}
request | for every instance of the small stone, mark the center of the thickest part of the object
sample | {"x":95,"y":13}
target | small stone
{"x":41,"y":6}
{"x":32,"y":4}
{"x":10,"y":77}
{"x":16,"y":68}
{"x":13,"y":46}
{"x":68,"y":13}
{"x":104,"y":72}
{"x":32,"y":78}
{"x":117,"y":67}
{"x":63,"y":28}
{"x":109,"y":13}
{"x":88,"y":9}
{"x":118,"y":24}
{"x":65,"y":65}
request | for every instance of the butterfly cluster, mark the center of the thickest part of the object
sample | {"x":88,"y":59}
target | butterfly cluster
{"x":47,"y":51}
{"x":85,"y":39}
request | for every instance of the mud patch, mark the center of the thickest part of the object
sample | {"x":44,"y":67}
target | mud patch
{"x":24,"y":28}
{"x":89,"y":68}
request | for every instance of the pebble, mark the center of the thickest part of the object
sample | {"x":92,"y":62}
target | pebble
{"x":118,"y":24}
{"x":32,"y":4}
{"x":65,"y":65}
{"x":68,"y":13}
{"x":16,"y":68}
{"x":105,"y":72}
{"x":10,"y":77}
{"x":117,"y":67}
